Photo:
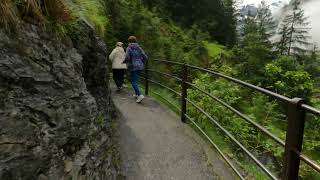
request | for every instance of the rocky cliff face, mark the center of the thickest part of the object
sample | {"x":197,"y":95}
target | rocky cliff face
{"x":55,"y":109}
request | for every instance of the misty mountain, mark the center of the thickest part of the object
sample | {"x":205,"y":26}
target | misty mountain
{"x":280,"y":8}
{"x":248,"y":10}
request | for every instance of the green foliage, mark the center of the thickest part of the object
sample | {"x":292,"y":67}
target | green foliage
{"x":100,"y":120}
{"x":215,"y":50}
{"x":258,"y":107}
{"x":250,"y":57}
{"x":91,"y":10}
{"x":250,"y":26}
{"x":161,"y":39}
{"x":214,"y":16}
{"x":285,"y":76}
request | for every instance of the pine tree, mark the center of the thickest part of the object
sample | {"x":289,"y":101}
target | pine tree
{"x":230,"y":17}
{"x":265,"y":22}
{"x":282,"y":45}
{"x":294,"y":32}
{"x":249,"y":26}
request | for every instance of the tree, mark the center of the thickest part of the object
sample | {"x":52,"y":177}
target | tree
{"x":254,"y":52}
{"x":311,"y":62}
{"x":261,"y":23}
{"x":294,"y":32}
{"x":265,"y":22}
{"x":218,"y":17}
{"x":249,"y":26}
{"x":282,"y":45}
{"x":230,"y":22}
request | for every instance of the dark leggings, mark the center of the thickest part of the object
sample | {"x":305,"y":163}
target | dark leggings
{"x":118,"y":76}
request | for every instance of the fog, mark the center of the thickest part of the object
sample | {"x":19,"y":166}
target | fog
{"x":257,"y":2}
{"x":312,"y":9}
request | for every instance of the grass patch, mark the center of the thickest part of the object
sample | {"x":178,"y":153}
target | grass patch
{"x":32,"y":11}
{"x":215,"y":50}
{"x":57,"y":10}
{"x":91,"y":10}
{"x":8,"y":13}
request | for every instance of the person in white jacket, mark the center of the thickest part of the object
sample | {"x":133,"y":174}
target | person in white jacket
{"x":117,"y":57}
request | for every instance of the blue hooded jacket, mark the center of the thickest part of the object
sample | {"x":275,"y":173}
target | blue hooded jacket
{"x":135,"y":57}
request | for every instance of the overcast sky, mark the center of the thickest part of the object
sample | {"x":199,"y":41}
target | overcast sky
{"x":258,"y":1}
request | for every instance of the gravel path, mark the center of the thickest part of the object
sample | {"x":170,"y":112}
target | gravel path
{"x":155,"y":145}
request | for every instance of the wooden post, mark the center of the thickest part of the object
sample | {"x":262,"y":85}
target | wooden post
{"x":294,"y":139}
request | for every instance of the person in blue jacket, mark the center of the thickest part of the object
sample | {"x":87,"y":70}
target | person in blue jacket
{"x":135,"y":60}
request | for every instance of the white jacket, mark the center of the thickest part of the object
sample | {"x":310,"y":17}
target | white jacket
{"x":117,"y":56}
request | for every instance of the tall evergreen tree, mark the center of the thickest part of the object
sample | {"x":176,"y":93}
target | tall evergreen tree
{"x":230,"y":17}
{"x":282,"y":45}
{"x":249,"y":26}
{"x":265,"y":22}
{"x":294,"y":32}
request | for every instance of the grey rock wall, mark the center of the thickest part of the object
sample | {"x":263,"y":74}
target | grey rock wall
{"x":55,"y":108}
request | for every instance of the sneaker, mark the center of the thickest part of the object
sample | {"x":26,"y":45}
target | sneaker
{"x":140,"y":98}
{"x":135,"y":96}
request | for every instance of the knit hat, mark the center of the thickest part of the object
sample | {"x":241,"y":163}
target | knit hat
{"x":119,"y":44}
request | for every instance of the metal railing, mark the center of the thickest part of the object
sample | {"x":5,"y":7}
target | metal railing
{"x":296,"y":114}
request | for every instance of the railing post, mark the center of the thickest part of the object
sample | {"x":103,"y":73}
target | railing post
{"x":184,"y":87}
{"x":146,"y":72}
{"x":294,"y":139}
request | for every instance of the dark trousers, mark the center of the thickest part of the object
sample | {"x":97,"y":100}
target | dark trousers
{"x":134,"y":79}
{"x":118,"y":76}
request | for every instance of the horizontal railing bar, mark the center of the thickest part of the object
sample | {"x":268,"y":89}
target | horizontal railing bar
{"x":229,"y":162}
{"x":246,"y":118}
{"x":166,"y":74}
{"x":155,"y":82}
{"x":278,"y":96}
{"x":169,"y":62}
{"x":309,"y":162}
{"x":311,"y":109}
{"x":176,"y":107}
{"x":234,"y":140}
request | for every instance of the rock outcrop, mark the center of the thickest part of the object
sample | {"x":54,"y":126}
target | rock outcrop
{"x":55,"y":110}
